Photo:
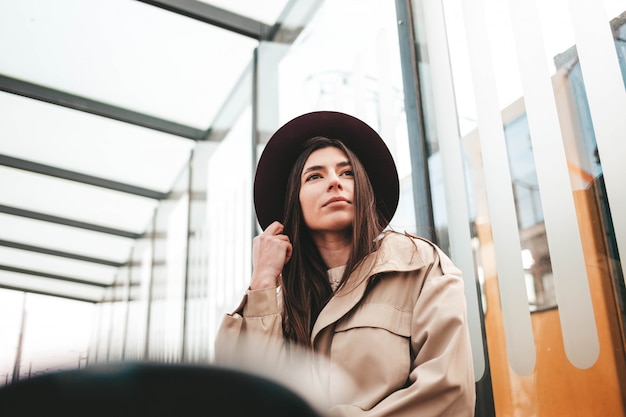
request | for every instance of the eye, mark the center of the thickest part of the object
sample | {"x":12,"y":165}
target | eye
{"x":313,"y":176}
{"x":348,"y":173}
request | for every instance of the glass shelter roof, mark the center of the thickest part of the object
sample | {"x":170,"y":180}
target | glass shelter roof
{"x":101,"y":105}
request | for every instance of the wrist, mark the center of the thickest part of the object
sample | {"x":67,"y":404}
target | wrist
{"x":260,"y":282}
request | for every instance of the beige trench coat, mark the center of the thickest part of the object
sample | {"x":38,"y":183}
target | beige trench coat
{"x":397,"y":329}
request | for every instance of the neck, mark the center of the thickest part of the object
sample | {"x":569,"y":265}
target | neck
{"x":333,"y":248}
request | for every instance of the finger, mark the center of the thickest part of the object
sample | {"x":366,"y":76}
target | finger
{"x":284,"y":238}
{"x":288,"y":253}
{"x":274,"y":228}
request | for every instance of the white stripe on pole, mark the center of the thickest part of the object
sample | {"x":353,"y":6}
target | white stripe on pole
{"x":578,"y":324}
{"x":515,"y":310}
{"x":453,"y":172}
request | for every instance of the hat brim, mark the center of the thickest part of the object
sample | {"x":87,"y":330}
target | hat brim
{"x":283,"y":148}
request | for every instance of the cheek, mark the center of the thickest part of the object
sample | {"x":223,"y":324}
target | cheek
{"x":305,"y":203}
{"x":350,"y":188}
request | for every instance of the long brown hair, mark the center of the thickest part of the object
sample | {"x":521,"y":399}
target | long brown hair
{"x":305,"y":280}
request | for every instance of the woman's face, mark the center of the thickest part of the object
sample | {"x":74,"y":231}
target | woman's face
{"x":327,"y":191}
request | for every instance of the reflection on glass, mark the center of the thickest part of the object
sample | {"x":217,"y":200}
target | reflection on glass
{"x":533,"y":240}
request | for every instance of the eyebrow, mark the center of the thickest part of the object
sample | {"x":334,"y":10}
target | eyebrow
{"x":318,"y":167}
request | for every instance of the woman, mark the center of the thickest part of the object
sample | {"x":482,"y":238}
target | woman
{"x":384,"y":308}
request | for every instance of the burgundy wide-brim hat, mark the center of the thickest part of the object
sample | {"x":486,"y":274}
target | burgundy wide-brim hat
{"x":283,"y":148}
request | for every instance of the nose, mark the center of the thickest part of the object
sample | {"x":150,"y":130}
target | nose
{"x":334,"y":182}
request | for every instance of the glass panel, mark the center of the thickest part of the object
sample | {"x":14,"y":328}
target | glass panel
{"x":88,"y":144}
{"x":118,"y":296}
{"x":169,"y":274}
{"x":11,"y":303}
{"x":348,"y":59}
{"x":606,"y":100}
{"x":200,"y":318}
{"x":556,"y":384}
{"x":139,"y":314}
{"x":57,"y":265}
{"x":560,"y":222}
{"x":65,"y":238}
{"x":535,"y":253}
{"x":176,"y":260}
{"x":62,"y":288}
{"x":495,"y":182}
{"x":56,"y":334}
{"x":74,"y":200}
{"x":228,"y":227}
{"x":100,"y":337}
{"x":446,"y":170}
{"x":164,"y":66}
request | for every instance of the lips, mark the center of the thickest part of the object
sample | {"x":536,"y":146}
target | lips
{"x":335,"y":200}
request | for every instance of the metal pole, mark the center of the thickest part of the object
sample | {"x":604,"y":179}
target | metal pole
{"x":146,"y":348}
{"x":415,"y":122}
{"x":184,"y":355}
{"x":18,"y":355}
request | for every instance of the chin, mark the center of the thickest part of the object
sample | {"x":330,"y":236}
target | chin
{"x":337,"y":226}
{"x":335,"y":223}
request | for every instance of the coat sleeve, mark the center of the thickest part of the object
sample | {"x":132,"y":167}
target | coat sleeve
{"x":253,"y":330}
{"x":441,"y":380}
{"x":251,"y":339}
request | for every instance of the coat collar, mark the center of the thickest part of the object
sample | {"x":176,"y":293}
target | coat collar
{"x":397,"y":253}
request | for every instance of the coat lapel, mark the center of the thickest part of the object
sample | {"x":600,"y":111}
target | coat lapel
{"x":397,"y":253}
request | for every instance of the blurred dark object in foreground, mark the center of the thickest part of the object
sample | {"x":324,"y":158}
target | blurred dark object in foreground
{"x":145,"y":389}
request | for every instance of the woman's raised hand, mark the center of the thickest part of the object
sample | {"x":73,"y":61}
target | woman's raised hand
{"x":271,"y":250}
